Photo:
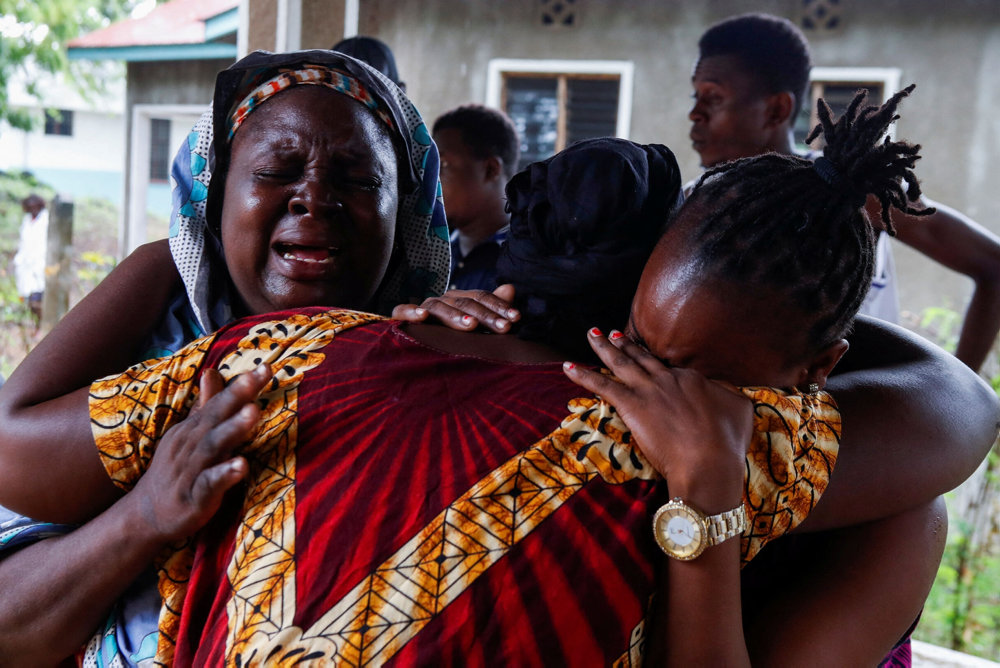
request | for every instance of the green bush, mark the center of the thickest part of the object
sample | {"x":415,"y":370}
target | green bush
{"x":963,"y":609}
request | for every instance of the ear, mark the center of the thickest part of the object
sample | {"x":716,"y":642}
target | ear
{"x":779,"y":109}
{"x":494,"y":168}
{"x":822,"y":364}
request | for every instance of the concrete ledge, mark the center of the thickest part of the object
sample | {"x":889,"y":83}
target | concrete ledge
{"x":932,"y":656}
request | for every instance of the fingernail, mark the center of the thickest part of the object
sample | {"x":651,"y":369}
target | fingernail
{"x":512,"y":313}
{"x":569,"y":366}
{"x":502,"y":324}
{"x":594,"y":331}
{"x":261,"y":370}
{"x":466,"y":319}
{"x":420,"y":311}
{"x":615,"y":335}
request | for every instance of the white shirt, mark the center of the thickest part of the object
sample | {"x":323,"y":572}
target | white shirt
{"x":29,"y":262}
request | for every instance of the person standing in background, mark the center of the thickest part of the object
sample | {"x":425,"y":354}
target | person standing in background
{"x":750,"y":81}
{"x":29,"y":262}
{"x":479,"y":152}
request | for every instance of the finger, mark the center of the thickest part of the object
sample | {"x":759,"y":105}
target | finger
{"x":409,"y":313}
{"x":620,"y":364}
{"x":210,"y":384}
{"x":497,"y":303}
{"x":213,"y":482}
{"x":604,"y":386}
{"x":506,"y":293}
{"x":230,"y":433}
{"x":241,"y":391}
{"x":450,"y":316}
{"x":637,"y":353}
{"x":485,"y":308}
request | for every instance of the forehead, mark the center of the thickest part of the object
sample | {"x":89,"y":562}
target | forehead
{"x":450,"y":142}
{"x":725,"y":330}
{"x":310,"y":114}
{"x":727,"y":72}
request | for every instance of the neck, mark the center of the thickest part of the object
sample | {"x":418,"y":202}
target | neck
{"x":479,"y":229}
{"x":784,"y":142}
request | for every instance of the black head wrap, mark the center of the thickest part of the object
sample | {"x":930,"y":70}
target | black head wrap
{"x":582,"y":225}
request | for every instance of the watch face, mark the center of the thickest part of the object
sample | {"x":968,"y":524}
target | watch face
{"x":679,"y":531}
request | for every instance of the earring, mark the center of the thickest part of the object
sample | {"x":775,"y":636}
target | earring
{"x":813,"y":388}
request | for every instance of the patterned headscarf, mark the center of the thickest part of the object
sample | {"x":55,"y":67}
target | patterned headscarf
{"x":419,"y":271}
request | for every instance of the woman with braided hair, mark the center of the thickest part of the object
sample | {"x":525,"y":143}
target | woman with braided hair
{"x":787,"y":244}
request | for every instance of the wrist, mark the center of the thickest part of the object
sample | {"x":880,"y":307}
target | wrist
{"x":714,"y":489}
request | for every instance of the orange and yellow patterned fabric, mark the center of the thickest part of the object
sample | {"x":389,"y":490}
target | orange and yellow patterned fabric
{"x":409,"y":506}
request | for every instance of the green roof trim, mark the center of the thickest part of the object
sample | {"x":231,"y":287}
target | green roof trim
{"x":222,"y":25}
{"x":155,"y":52}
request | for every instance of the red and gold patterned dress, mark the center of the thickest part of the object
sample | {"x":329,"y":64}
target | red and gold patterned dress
{"x":413,"y":507}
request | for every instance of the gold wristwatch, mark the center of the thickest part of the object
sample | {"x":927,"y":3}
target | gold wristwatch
{"x":683,"y":532}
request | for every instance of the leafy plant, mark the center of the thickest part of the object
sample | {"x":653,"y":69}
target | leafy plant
{"x":963,"y":608}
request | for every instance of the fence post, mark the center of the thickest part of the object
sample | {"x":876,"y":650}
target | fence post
{"x":55,"y":301}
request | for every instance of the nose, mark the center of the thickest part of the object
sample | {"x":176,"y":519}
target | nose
{"x":316,"y":196}
{"x":697,"y":113}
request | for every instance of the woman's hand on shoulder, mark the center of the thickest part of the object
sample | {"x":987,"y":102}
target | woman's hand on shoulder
{"x":465,"y":310}
{"x":194,"y":465}
{"x":684,"y":423}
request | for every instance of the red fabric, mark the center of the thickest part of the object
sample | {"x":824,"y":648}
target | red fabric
{"x":391,"y":433}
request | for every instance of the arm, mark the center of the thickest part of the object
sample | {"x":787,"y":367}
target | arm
{"x":100,"y":335}
{"x":43,"y":406}
{"x":695,"y":433}
{"x":58,"y":590}
{"x":826,"y":611}
{"x":959,"y":243}
{"x":917,"y":422}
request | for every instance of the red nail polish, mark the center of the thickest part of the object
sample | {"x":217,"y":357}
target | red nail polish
{"x":568,"y":365}
{"x":615,"y":335}
{"x":594,"y":331}
{"x":466,"y":319}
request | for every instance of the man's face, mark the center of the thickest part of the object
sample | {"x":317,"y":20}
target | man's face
{"x":464,"y":180}
{"x":729,"y":118}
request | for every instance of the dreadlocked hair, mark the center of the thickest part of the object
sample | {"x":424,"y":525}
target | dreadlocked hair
{"x":800,"y":229}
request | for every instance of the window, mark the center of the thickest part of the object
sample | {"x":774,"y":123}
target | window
{"x":556,"y":103}
{"x":837,"y":86}
{"x":59,"y":122}
{"x":159,"y":150}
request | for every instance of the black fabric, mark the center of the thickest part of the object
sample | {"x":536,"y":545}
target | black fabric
{"x":372,"y":51}
{"x":582,"y":225}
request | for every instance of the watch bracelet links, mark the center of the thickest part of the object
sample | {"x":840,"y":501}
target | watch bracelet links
{"x":727,"y":525}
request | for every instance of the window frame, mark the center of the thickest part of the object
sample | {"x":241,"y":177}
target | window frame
{"x":167,"y":157}
{"x":61,"y":127}
{"x":887,"y":77}
{"x":499,"y":68}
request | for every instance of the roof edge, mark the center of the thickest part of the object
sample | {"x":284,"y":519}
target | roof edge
{"x":154,"y":52}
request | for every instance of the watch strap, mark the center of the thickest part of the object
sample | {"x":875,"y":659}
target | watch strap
{"x":727,"y":525}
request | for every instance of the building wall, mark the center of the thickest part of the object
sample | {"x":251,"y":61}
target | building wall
{"x":84,"y":164}
{"x":168,"y":83}
{"x":951,"y":50}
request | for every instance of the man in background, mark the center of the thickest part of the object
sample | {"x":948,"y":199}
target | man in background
{"x":749,"y":83}
{"x":479,"y":150}
{"x":29,"y":262}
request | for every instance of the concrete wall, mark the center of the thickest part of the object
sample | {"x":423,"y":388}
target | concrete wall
{"x":85,"y":164}
{"x":167,"y":83}
{"x":951,"y":50}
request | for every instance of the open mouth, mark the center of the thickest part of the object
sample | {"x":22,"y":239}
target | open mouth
{"x":310,"y":254}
